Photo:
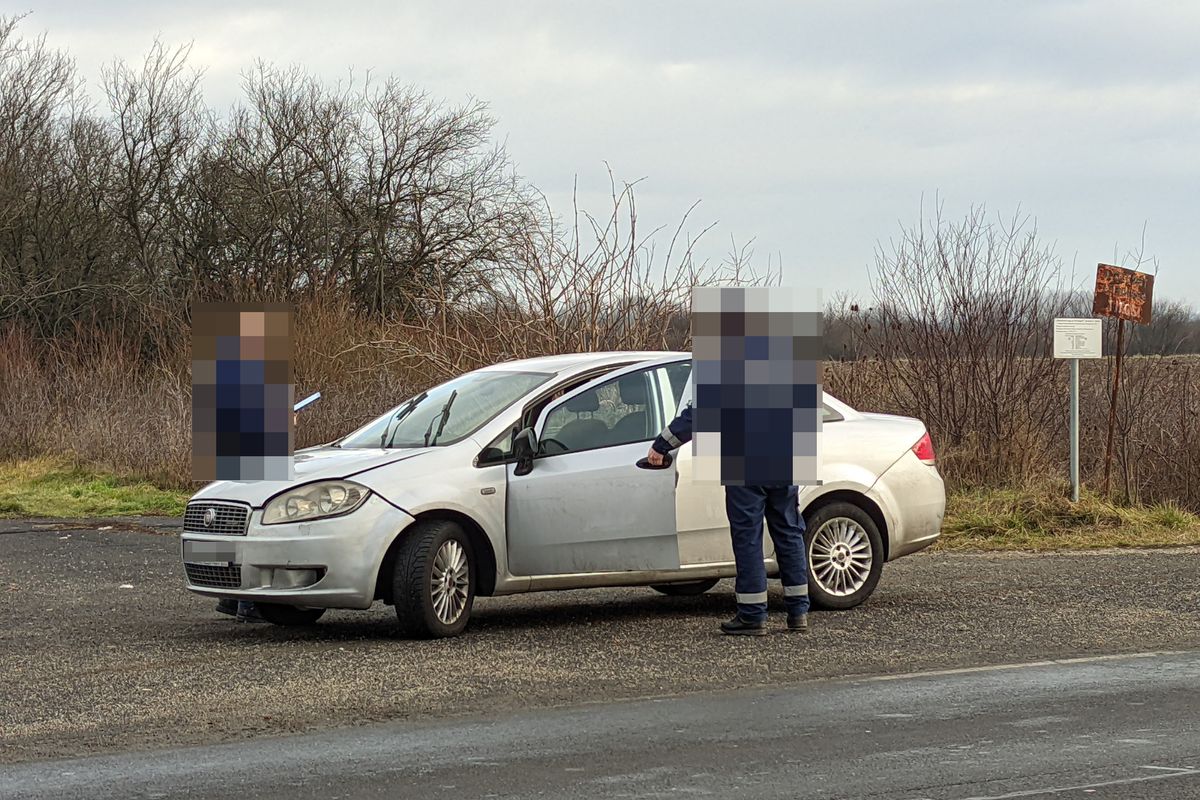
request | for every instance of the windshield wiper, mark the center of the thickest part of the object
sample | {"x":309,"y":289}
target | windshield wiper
{"x":443,"y":415}
{"x":384,"y":441}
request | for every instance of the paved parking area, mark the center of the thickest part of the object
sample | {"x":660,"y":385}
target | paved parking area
{"x":88,"y":666}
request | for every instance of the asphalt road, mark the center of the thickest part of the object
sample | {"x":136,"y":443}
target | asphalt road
{"x":88,"y":666}
{"x":1101,"y":728}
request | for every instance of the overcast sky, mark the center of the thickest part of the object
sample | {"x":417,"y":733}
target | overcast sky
{"x":815,"y":128}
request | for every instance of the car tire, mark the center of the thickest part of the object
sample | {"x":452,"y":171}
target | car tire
{"x":834,"y":537}
{"x":288,"y":616}
{"x":685,"y":588}
{"x":433,"y":580}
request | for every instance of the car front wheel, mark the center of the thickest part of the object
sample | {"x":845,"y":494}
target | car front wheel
{"x":845,"y":555}
{"x":433,"y":581}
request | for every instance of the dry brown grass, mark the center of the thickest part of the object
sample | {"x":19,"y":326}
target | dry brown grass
{"x":1040,"y":517}
{"x":98,"y":400}
{"x":1157,"y":452}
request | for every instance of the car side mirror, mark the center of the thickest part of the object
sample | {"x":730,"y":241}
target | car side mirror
{"x":524,"y":446}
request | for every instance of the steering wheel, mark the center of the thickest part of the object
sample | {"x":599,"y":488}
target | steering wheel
{"x":559,"y":446}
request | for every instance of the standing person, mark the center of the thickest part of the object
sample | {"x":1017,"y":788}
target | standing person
{"x":746,"y":506}
{"x":244,"y":610}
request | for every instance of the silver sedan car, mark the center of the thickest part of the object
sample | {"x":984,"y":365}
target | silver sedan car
{"x":521,"y":477}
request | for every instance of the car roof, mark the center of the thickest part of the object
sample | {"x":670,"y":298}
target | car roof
{"x":571,"y":361}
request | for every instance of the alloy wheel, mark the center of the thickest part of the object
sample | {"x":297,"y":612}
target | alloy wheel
{"x":449,"y":582}
{"x":840,"y":556}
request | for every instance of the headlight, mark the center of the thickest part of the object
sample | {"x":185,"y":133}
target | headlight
{"x":314,"y":501}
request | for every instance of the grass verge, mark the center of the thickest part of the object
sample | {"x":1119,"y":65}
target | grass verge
{"x":1045,"y":519}
{"x":47,"y":487}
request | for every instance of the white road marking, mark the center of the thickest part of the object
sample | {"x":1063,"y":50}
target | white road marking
{"x":1086,"y":786}
{"x":1019,"y":665}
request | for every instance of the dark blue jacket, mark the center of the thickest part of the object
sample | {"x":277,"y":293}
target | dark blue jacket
{"x":678,"y":433}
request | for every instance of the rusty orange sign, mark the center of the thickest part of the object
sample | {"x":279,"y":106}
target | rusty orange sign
{"x":1123,"y":293}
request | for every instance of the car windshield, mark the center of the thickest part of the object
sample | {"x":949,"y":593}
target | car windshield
{"x":456,"y":408}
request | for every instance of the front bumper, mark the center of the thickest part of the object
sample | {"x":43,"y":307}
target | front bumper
{"x":338,"y":558}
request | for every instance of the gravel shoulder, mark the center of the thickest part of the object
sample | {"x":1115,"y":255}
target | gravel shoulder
{"x":91,"y":667}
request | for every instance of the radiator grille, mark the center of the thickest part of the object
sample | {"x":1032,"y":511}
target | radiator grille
{"x":228,"y":519}
{"x":228,"y":577}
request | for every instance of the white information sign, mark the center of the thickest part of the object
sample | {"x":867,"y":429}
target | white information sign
{"x":1078,"y":338}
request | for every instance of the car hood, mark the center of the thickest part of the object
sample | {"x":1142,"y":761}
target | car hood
{"x":312,"y":464}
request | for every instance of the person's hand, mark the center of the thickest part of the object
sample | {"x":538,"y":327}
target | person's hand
{"x":654,"y":457}
{"x":295,"y":419}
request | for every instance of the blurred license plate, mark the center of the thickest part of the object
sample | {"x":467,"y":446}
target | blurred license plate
{"x":208,"y":553}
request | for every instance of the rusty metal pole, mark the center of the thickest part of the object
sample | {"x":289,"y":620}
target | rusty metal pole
{"x":1112,"y":408}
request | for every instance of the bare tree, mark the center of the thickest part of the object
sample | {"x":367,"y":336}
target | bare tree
{"x":964,"y":314}
{"x":597,"y":284}
{"x":37,"y":89}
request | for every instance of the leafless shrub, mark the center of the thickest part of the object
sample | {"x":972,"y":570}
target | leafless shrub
{"x":119,"y":395}
{"x":960,"y":328}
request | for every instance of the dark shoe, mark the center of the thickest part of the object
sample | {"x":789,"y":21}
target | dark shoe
{"x":798,"y":623}
{"x":248,"y":613}
{"x":740,"y":627}
{"x":227,"y":606}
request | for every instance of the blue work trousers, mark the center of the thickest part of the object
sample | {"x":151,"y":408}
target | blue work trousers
{"x":746,"y":506}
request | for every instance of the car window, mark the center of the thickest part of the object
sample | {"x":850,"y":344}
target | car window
{"x":829,"y":415}
{"x":458,"y":408}
{"x":619,"y":411}
{"x":500,"y":448}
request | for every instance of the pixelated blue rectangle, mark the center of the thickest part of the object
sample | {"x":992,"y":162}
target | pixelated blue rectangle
{"x":242,"y":392}
{"x":756,"y":356}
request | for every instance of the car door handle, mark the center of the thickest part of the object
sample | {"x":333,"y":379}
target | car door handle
{"x":644,"y":463}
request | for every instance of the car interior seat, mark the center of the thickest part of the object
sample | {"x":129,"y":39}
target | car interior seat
{"x":584,"y":433}
{"x":634,"y":426}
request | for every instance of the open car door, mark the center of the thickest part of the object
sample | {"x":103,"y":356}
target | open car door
{"x":585,"y":506}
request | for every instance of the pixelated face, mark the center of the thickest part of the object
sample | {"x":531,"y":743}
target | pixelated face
{"x":242,"y":392}
{"x":756,"y":360}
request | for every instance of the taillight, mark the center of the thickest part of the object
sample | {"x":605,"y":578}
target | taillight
{"x":924,"y":450}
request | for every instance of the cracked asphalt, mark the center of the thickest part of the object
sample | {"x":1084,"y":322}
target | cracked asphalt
{"x":87,"y":666}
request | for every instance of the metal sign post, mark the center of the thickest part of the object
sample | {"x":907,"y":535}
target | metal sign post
{"x":1125,"y":294}
{"x":1074,"y":430}
{"x":1075,"y":339}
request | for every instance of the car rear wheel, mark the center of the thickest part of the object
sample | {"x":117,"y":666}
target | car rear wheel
{"x":433,"y":581}
{"x":289,"y":616}
{"x":845,"y":555}
{"x":685,"y":588}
